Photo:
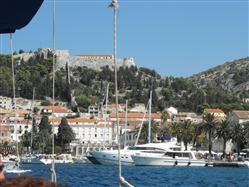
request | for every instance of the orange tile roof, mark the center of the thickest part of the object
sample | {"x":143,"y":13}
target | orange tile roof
{"x":135,"y":115}
{"x":57,"y":109}
{"x":71,"y":120}
{"x":210,"y":110}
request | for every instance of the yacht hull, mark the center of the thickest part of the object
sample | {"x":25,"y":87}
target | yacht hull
{"x":159,"y":161}
{"x":110,"y":157}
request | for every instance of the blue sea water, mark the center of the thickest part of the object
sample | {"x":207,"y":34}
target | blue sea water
{"x":77,"y":175}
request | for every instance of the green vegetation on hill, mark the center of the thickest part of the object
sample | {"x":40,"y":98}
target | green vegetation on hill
{"x":88,"y":86}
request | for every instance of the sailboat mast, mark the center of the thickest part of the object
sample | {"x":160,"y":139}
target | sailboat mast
{"x":106,"y":103}
{"x":53,"y":175}
{"x":14,"y":95}
{"x":149,"y":126}
{"x":126,"y":111}
{"x":121,"y":180}
{"x":116,"y":89}
{"x":32,"y":121}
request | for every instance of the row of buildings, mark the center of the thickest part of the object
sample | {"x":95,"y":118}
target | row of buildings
{"x":95,"y":127}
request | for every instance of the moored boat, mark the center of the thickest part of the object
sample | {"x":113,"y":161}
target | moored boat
{"x":110,"y":157}
{"x":60,"y":159}
{"x":168,"y":158}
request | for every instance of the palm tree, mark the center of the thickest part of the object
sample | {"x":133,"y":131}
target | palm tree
{"x":164,"y":117}
{"x":197,"y":135}
{"x":239,"y":132}
{"x":223,"y":131}
{"x":185,"y":131}
{"x":209,"y":127}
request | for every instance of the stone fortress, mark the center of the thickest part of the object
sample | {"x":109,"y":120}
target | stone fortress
{"x":95,"y":61}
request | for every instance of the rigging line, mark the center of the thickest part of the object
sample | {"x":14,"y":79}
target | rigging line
{"x":141,"y":125}
{"x":14,"y":97}
{"x":53,"y":174}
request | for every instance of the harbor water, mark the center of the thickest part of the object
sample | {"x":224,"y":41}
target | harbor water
{"x":77,"y":175}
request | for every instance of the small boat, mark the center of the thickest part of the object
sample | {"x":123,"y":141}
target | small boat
{"x":60,"y":159}
{"x":169,"y":158}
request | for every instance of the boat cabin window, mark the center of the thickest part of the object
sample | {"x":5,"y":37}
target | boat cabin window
{"x":178,"y":154}
{"x":145,"y":148}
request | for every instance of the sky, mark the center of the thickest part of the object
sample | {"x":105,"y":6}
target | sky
{"x":173,"y":37}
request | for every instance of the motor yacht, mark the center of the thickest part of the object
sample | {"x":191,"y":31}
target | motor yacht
{"x":110,"y":157}
{"x":168,"y":158}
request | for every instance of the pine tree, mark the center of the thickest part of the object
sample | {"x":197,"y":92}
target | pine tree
{"x":65,"y":134}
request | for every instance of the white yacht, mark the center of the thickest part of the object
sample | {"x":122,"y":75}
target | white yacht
{"x":60,"y":159}
{"x":168,"y":158}
{"x":110,"y":157}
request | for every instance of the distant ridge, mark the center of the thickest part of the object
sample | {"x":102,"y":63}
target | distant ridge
{"x":232,"y":77}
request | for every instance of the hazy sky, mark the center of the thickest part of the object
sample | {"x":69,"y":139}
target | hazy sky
{"x":176,"y":37}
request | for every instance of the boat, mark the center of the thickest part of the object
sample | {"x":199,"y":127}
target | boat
{"x":168,"y":158}
{"x":60,"y":159}
{"x":109,"y":157}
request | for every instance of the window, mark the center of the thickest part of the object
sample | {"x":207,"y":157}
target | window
{"x":95,"y":135}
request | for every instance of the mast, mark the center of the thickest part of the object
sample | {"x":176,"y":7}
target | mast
{"x":32,"y":121}
{"x":149,"y":126}
{"x":53,"y":172}
{"x":14,"y":97}
{"x":126,"y":110}
{"x":106,"y":103}
{"x":121,"y":180}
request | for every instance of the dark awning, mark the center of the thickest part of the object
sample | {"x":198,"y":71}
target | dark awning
{"x":15,"y":14}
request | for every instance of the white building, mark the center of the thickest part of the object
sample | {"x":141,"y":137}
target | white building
{"x":139,"y":107}
{"x":172,"y":111}
{"x":59,"y":111}
{"x":86,"y":131}
{"x":239,"y":116}
{"x":14,"y":125}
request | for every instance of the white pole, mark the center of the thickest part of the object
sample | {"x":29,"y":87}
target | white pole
{"x":149,"y":126}
{"x":53,"y":174}
{"x":31,"y":141}
{"x":126,"y":111}
{"x":14,"y":97}
{"x":106,"y":103}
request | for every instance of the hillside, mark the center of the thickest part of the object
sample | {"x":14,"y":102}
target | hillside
{"x":231,"y":77}
{"x":86,"y":86}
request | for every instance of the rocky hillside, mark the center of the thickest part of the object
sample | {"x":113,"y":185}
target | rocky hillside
{"x":84,"y":84}
{"x":231,"y":77}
